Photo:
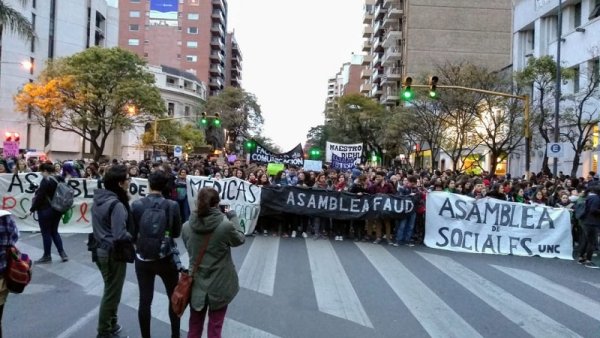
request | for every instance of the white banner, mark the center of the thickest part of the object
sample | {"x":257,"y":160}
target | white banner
{"x":460,"y":223}
{"x":240,"y":195}
{"x":17,"y":193}
{"x":346,"y":153}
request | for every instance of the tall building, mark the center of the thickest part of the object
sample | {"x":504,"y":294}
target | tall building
{"x":233,"y":63}
{"x":346,"y":81}
{"x":189,"y":35}
{"x":535,"y":28}
{"x":409,"y":38}
{"x":63,"y":28}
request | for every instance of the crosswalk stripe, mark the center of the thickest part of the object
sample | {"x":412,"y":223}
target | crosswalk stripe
{"x":434,"y":315}
{"x":258,"y":270}
{"x":91,"y":282}
{"x":562,"y":294}
{"x":80,"y":323}
{"x":537,"y":323}
{"x":333,"y":289}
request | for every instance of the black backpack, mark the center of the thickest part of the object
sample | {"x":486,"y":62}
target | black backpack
{"x":153,"y":225}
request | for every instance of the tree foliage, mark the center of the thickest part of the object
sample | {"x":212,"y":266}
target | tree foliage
{"x":15,"y":21}
{"x":174,"y":133}
{"x":90,"y":94}
{"x":240,"y":115}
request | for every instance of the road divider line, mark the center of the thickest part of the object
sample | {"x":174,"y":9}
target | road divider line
{"x":334,"y":291}
{"x":257,"y":272}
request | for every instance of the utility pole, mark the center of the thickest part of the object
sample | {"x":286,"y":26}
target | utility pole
{"x":558,"y":80}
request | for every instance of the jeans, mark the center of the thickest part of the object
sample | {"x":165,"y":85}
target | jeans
{"x":589,"y":242}
{"x":146,"y":271}
{"x":405,"y":228}
{"x":215,"y":322}
{"x":184,"y":210}
{"x":49,"y":219}
{"x":113,"y":274}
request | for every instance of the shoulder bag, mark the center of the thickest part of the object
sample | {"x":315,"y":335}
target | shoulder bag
{"x":181,"y":295}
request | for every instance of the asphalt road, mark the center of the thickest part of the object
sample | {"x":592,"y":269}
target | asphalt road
{"x":306,"y":288}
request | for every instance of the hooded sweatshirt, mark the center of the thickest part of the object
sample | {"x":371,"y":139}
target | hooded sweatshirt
{"x":108,"y":228}
{"x":216,"y":279}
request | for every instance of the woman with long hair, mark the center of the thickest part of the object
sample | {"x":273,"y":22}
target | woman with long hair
{"x":215,"y":281}
{"x":111,"y":216}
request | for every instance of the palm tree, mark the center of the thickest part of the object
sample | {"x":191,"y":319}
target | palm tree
{"x":15,"y":21}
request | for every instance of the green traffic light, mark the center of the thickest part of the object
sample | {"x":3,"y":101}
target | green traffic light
{"x":204,"y":121}
{"x":217,"y":122}
{"x":432,"y":94}
{"x":407,"y":95}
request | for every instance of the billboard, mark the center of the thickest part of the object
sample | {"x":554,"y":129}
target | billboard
{"x":164,"y":11}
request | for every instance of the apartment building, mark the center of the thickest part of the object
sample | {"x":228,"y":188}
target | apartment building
{"x":535,"y":28}
{"x":233,"y":63}
{"x":410,"y":38}
{"x":189,"y":35}
{"x":63,"y":28}
{"x":346,"y":81}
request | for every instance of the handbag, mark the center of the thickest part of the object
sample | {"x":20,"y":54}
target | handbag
{"x":181,"y":295}
{"x":18,"y":266}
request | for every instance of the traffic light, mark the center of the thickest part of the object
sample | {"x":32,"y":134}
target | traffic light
{"x":249,"y":145}
{"x":314,"y":153}
{"x":407,"y":93}
{"x":433,"y":80}
{"x":203,"y":121}
{"x":217,"y":121}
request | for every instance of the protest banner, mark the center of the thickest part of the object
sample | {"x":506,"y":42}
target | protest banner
{"x":343,"y":156}
{"x":241,"y":196}
{"x":262,"y":155}
{"x":460,"y":223}
{"x":334,"y":204}
{"x":17,"y":193}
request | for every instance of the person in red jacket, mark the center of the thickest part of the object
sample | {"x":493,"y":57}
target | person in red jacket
{"x":381,"y":186}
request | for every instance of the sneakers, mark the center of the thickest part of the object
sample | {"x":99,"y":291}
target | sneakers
{"x":265,"y":233}
{"x":389,"y":241}
{"x":591,"y":265}
{"x":44,"y":260}
{"x":116,"y":329}
{"x":339,"y":238}
{"x":294,"y":234}
{"x":64,"y":257}
{"x":395,"y":244}
{"x":581,"y":260}
{"x":411,"y":244}
{"x":377,"y":241}
{"x":304,"y":235}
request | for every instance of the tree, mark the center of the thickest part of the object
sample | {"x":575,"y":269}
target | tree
{"x":92,"y":94}
{"x":318,"y":136}
{"x":540,"y":74}
{"x":268,"y":143}
{"x":240,"y":115}
{"x":174,"y":133}
{"x":16,"y":22}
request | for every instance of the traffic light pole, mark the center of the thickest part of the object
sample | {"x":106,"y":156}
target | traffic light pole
{"x":524,"y":98}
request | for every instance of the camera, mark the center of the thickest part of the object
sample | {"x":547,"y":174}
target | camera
{"x":223,"y":207}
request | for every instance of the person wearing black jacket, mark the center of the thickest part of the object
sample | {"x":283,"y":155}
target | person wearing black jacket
{"x":359,"y":187}
{"x":48,"y":218}
{"x":166,"y":265}
{"x":591,"y":223}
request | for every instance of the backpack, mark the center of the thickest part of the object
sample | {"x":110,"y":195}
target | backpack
{"x":153,"y":225}
{"x":63,"y":198}
{"x":18,"y":270}
{"x":579,"y":209}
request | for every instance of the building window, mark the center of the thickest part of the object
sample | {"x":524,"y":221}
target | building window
{"x":576,"y":83}
{"x":134,"y":1}
{"x":33,"y":26}
{"x":171,"y":108}
{"x":179,"y":56}
{"x":134,"y":14}
{"x":186,"y":111}
{"x":33,"y":4}
{"x":146,"y":42}
{"x":171,"y":81}
{"x":133,"y":42}
{"x":577,"y":14}
{"x":192,"y":30}
{"x":595,"y":9}
{"x":134,"y":27}
{"x":594,"y":69}
{"x":192,"y":44}
{"x":193,"y":16}
{"x":145,"y":55}
{"x":191,"y":58}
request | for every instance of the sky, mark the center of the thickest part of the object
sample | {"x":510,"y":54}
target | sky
{"x":290,"y":49}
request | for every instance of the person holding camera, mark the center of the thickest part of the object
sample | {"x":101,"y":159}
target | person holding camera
{"x":211,"y":233}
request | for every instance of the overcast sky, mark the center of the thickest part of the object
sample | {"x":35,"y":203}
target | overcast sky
{"x":290,"y":49}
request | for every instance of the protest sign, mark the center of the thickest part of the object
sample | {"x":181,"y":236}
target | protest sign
{"x":262,"y":155}
{"x":241,"y":196}
{"x":10,"y":148}
{"x":460,"y":223}
{"x":274,"y":168}
{"x":343,"y":156}
{"x":312,"y":165}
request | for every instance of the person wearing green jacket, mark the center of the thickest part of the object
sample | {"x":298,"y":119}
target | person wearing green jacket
{"x":215,"y":281}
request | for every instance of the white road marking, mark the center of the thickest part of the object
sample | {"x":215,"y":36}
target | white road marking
{"x":260,"y":265}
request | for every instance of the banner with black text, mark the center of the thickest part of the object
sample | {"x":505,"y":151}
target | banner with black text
{"x":460,"y":223}
{"x":343,"y":156}
{"x":263,"y":155}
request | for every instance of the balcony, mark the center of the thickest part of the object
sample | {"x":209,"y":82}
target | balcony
{"x":365,"y":88}
{"x":368,"y":18}
{"x":217,"y":28}
{"x":379,"y":12}
{"x":216,"y":69}
{"x":389,"y":4}
{"x":378,"y":44}
{"x":378,"y":28}
{"x":215,"y":55}
{"x":367,"y":32}
{"x":217,"y":15}
{"x":389,"y":96}
{"x":376,"y":91}
{"x":218,"y":4}
{"x":377,"y":59}
{"x":395,"y":13}
{"x":216,"y":42}
{"x":392,"y":36}
{"x":366,"y":46}
{"x":367,"y":59}
{"x":216,"y":82}
{"x":377,"y":76}
{"x":392,"y":55}
{"x":392,"y":75}
{"x":366,"y":73}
